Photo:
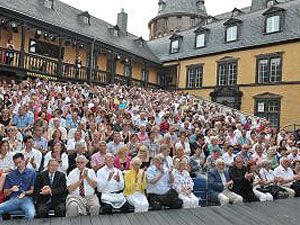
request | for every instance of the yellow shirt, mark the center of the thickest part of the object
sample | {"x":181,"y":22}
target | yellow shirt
{"x":131,"y":186}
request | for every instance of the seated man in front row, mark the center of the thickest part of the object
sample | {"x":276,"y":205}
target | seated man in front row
{"x":81,"y":184}
{"x":220,"y":185}
{"x":111,"y":184}
{"x":50,"y":191}
{"x":19,"y":186}
{"x":160,"y":180}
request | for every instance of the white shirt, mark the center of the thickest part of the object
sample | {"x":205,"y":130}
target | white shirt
{"x":223,"y":178}
{"x":227,"y":158}
{"x":112,"y":185}
{"x":72,"y":142}
{"x":7,"y":164}
{"x":74,"y":177}
{"x":284,"y":173}
{"x":33,"y":154}
{"x":64,"y":165}
{"x":292,"y":157}
{"x":267,"y":175}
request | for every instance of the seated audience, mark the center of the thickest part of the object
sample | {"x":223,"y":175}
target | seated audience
{"x":6,"y":162}
{"x":242,"y":180}
{"x":81,"y":184}
{"x":220,"y":185}
{"x":286,"y":176}
{"x":32,"y":156}
{"x":184,"y":184}
{"x":98,"y":158}
{"x":160,"y":179}
{"x":58,"y":152}
{"x":50,"y":190}
{"x":19,"y":187}
{"x":122,"y":159}
{"x":111,"y":184}
{"x":135,"y":186}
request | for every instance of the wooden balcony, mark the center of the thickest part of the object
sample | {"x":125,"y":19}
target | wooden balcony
{"x":34,"y":65}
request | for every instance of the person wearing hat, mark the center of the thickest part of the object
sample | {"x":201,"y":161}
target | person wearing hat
{"x":160,"y":179}
{"x":220,"y":185}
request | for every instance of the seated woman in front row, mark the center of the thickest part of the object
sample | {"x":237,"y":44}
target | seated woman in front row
{"x":135,"y":186}
{"x":184,"y":184}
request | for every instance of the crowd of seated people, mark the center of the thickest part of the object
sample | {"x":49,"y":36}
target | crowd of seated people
{"x":85,"y":149}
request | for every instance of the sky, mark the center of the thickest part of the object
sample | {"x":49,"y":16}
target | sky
{"x":140,"y":12}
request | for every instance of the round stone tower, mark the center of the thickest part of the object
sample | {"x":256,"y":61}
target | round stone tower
{"x":175,"y":16}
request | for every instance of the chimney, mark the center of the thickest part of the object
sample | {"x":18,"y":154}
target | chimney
{"x":122,"y":21}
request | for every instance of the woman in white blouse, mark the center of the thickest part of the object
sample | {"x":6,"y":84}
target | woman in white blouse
{"x":59,"y":154}
{"x":6,"y":162}
{"x":184,"y":184}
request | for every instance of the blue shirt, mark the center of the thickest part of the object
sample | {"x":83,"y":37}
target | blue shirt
{"x":72,"y":124}
{"x":42,"y":142}
{"x":244,"y":157}
{"x":24,"y":180}
{"x":22,"y":121}
{"x":162,"y":186}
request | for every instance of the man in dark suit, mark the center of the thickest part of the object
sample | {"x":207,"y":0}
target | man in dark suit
{"x":243,"y":180}
{"x":220,"y":185}
{"x":50,"y":191}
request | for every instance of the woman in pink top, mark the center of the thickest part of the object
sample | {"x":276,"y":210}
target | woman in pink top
{"x":122,"y":159}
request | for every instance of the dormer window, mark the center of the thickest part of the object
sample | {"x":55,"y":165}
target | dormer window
{"x":200,"y":40}
{"x":86,"y":18}
{"x":231,"y":33}
{"x":48,"y":4}
{"x":174,"y":46}
{"x":139,"y":41}
{"x":232,"y":27}
{"x":273,"y":24}
{"x":273,"y":20}
{"x":201,"y":37}
{"x":175,"y":43}
{"x":236,"y":12}
{"x":115,"y":31}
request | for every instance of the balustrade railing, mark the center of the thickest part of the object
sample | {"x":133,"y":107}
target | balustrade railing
{"x":101,"y":76}
{"x":9,"y":57}
{"x":71,"y":71}
{"x":41,"y":64}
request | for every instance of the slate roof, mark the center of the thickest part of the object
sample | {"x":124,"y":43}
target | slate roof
{"x":180,"y":6}
{"x":251,"y":34}
{"x":67,"y":17}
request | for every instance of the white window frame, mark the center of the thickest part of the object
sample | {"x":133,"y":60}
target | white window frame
{"x":200,"y":43}
{"x":174,"y":46}
{"x":273,"y":24}
{"x":194,"y":76}
{"x":231,"y":33}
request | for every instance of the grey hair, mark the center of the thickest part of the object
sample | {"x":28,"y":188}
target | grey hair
{"x":78,"y":145}
{"x":82,"y":157}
